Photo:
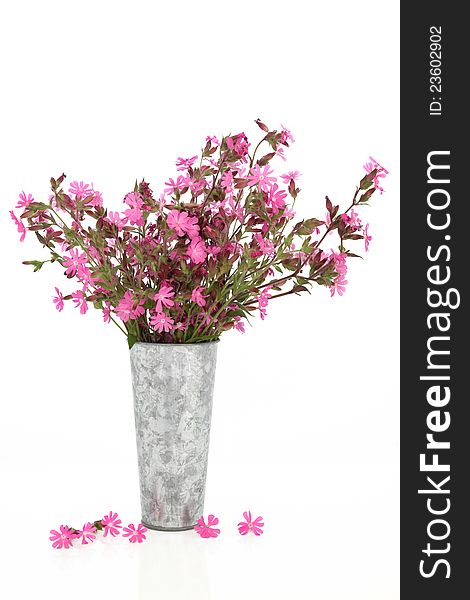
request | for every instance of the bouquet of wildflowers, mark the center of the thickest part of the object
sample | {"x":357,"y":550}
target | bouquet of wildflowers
{"x":212,"y":250}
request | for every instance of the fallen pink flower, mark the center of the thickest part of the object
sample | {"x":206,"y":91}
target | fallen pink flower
{"x":135,"y":534}
{"x":111,"y":524}
{"x":62,"y":538}
{"x":87,"y":533}
{"x":249,"y":525}
{"x":207,"y":530}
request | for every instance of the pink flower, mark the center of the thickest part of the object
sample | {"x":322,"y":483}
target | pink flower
{"x":111,"y":524}
{"x":266,"y":246}
{"x":184,"y":163}
{"x":276,"y":198}
{"x":287,"y":135}
{"x":162,"y":322}
{"x":262,"y":177}
{"x":248,"y":525}
{"x":340,"y":262}
{"x":381,"y":173}
{"x":130,"y":307}
{"x":352,"y":220}
{"x":59,"y":300}
{"x":239,"y":324}
{"x":80,"y":190}
{"x":84,"y":276}
{"x":207,"y":531}
{"x":288,"y":213}
{"x":263,"y":300}
{"x":164,"y":297}
{"x":62,"y":538}
{"x":97,"y":199}
{"x":197,"y":251}
{"x":134,"y":200}
{"x":226,"y":181}
{"x":135,"y":216}
{"x":114,"y":218}
{"x":213,"y":140}
{"x":180,"y":183}
{"x":239,"y":144}
{"x":197,"y":296}
{"x":182,"y":223}
{"x":107,"y":312}
{"x":197,"y":185}
{"x":19,"y":225}
{"x":135,"y":535}
{"x":87,"y":533}
{"x":80,"y":301}
{"x":180,"y":326}
{"x":367,"y":237}
{"x":24,"y":201}
{"x":281,"y":153}
{"x":74,"y":262}
{"x":290,"y":175}
{"x":191,"y":227}
{"x":339,"y":285}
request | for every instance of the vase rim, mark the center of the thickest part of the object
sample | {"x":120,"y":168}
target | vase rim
{"x":175,"y":345}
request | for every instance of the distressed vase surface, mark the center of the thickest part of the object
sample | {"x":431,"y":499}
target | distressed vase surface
{"x":173,"y":389}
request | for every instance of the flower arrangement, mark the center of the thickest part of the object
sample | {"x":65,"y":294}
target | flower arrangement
{"x":215,"y":247}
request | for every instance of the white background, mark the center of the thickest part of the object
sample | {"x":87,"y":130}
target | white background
{"x":305,"y":421}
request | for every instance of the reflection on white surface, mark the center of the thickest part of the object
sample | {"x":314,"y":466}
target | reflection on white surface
{"x":176,"y":563}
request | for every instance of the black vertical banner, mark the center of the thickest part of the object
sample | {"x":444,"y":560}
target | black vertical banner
{"x":435,"y":423}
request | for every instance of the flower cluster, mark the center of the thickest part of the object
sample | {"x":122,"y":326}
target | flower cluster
{"x":213,"y":249}
{"x":110,"y":525}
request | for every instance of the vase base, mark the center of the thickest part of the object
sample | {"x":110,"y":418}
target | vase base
{"x":156,"y":528}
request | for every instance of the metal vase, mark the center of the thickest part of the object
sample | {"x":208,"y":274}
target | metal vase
{"x":173,"y":388}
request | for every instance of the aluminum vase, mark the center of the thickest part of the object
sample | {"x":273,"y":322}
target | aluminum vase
{"x":173,"y":389}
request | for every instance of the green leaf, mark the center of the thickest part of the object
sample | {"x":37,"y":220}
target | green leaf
{"x":367,"y":180}
{"x":131,"y":340}
{"x":299,"y":288}
{"x":265,"y":159}
{"x":365,"y":197}
{"x":37,"y":264}
{"x":38,"y":206}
